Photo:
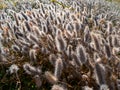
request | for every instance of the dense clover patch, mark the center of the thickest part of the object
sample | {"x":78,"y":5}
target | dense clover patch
{"x":62,"y":45}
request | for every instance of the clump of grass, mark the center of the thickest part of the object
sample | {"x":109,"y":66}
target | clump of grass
{"x":2,"y":5}
{"x":60,"y":3}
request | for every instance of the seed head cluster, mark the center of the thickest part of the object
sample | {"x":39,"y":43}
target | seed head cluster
{"x":70,"y":45}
